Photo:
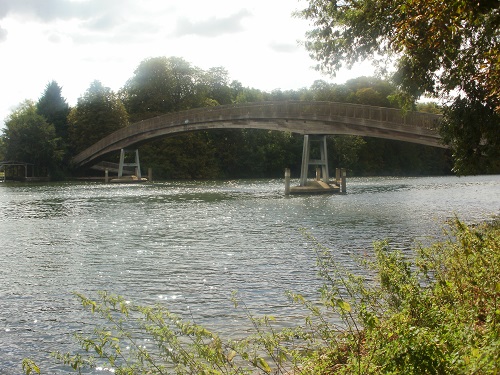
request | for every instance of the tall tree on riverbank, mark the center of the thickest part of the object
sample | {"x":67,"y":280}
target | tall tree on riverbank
{"x":54,"y":108}
{"x":99,"y":112}
{"x":446,"y":49}
{"x":161,"y":85}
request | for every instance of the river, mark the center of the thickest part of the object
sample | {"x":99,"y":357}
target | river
{"x":188,"y":245}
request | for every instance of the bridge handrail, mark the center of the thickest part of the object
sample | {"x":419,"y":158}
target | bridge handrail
{"x":323,"y":108}
{"x":307,"y":110}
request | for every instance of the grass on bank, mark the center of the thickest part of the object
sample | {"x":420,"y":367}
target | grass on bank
{"x":438,"y":313}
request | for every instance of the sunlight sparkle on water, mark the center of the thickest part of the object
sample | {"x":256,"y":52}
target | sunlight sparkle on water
{"x":112,"y":370}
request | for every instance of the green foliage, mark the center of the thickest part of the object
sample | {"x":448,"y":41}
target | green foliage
{"x":476,"y":149}
{"x":2,"y":147}
{"x":434,"y":313}
{"x":29,"y":138}
{"x":54,"y":108}
{"x":30,"y":367}
{"x":186,"y":156}
{"x":255,"y":153}
{"x":161,"y":85}
{"x":216,"y":84}
{"x":383,"y":157}
{"x":429,"y":107}
{"x":442,"y":48}
{"x":231,"y":153}
{"x":99,"y":112}
{"x":247,"y":95}
{"x":437,"y":43}
{"x":361,"y":90}
{"x":346,"y":150}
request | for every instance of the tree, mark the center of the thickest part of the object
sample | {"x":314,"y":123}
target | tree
{"x":55,"y":109}
{"x":430,"y":107}
{"x":449,"y":49}
{"x":346,"y":149}
{"x":476,"y":149}
{"x":99,"y":112}
{"x":324,"y":91}
{"x":247,"y":95}
{"x":185,"y":156}
{"x":28,"y":137}
{"x":216,"y":82}
{"x":2,"y":148}
{"x":161,"y":85}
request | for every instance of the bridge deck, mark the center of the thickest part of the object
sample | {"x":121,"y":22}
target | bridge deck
{"x":293,"y":116}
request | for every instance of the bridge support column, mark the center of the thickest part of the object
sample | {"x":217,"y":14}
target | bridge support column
{"x":307,"y":161}
{"x":136,"y":164}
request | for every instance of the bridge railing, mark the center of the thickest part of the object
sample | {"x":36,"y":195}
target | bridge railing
{"x":290,"y":109}
{"x":307,"y":110}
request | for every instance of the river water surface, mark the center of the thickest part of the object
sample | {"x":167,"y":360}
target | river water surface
{"x":188,"y":245}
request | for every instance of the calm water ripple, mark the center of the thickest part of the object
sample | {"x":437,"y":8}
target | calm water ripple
{"x":188,"y":245}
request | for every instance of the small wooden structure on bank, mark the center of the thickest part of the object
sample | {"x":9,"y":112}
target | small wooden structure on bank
{"x":321,"y":184}
{"x":19,"y":171}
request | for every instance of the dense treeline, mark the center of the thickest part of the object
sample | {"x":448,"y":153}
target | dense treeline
{"x":49,"y":133}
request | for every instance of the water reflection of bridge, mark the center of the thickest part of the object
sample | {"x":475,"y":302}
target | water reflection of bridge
{"x":308,"y":118}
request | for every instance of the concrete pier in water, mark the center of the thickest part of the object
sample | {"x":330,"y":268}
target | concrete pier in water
{"x":321,"y":184}
{"x":318,"y":186}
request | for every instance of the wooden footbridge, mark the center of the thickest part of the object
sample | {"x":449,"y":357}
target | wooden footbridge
{"x":308,"y":118}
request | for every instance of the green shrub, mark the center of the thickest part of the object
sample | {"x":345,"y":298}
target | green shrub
{"x":439,"y":314}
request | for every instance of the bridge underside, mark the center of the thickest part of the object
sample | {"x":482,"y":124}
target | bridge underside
{"x":255,"y":117}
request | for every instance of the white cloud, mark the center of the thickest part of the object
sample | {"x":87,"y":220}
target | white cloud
{"x":51,"y":10}
{"x":3,"y":35}
{"x":283,"y":47}
{"x":211,"y":27}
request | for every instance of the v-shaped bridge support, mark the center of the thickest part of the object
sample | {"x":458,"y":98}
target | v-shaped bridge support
{"x":136,"y":164}
{"x":307,"y":161}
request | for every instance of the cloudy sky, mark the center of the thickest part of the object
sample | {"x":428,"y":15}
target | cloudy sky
{"x":75,"y":42}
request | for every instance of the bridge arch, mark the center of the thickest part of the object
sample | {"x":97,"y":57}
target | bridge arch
{"x":325,"y":118}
